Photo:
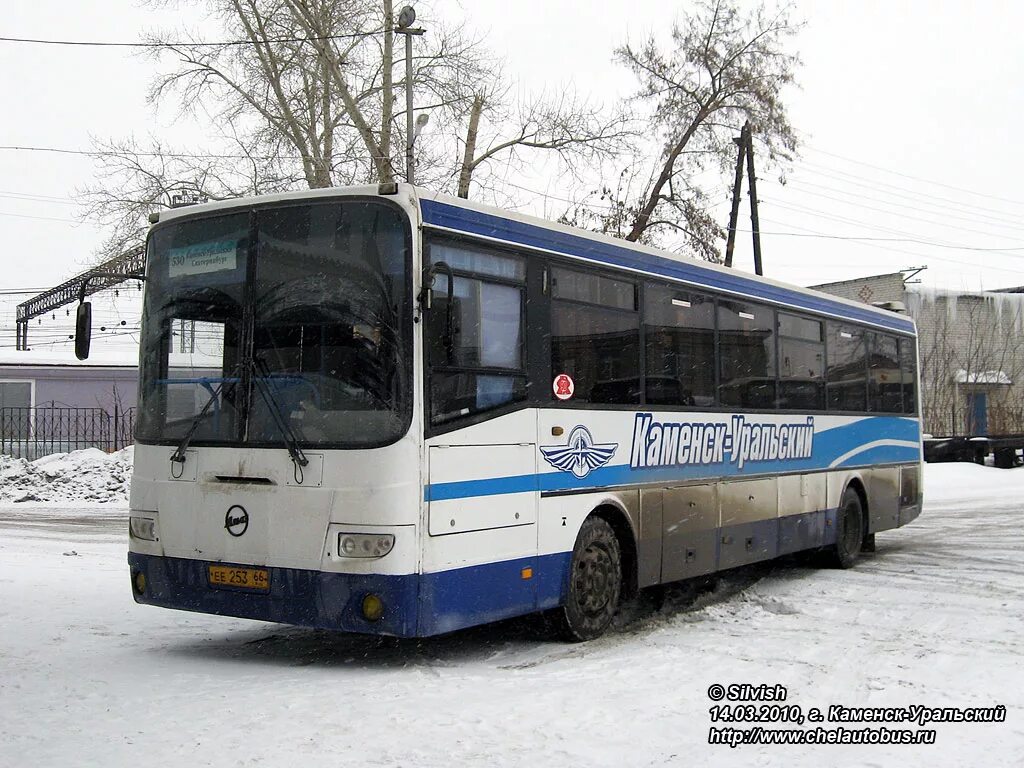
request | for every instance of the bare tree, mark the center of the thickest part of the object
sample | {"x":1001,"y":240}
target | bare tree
{"x":724,"y":67}
{"x":303,"y":95}
{"x":577,"y":132}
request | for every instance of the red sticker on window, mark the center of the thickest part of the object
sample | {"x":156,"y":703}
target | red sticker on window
{"x":563,"y":386}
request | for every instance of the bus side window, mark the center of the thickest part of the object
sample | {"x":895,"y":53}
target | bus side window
{"x":679,"y":347}
{"x":801,"y":363}
{"x":885,"y":393}
{"x":847,"y":368}
{"x":746,"y":347}
{"x":908,"y":373}
{"x":485,"y":367}
{"x":595,"y":336}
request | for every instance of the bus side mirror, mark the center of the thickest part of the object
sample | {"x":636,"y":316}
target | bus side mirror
{"x":83,"y":329}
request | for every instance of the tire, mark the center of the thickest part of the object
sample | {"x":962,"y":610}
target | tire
{"x":850,"y":531}
{"x":595,"y":582}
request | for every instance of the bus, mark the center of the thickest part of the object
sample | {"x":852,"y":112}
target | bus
{"x":389,"y":411}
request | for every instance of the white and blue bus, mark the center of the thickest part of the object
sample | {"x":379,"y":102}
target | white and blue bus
{"x":383,"y":410}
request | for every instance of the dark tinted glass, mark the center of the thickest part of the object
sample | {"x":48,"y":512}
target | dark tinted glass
{"x":600,"y":349}
{"x":593,"y":289}
{"x":679,"y":341}
{"x":801,"y":363}
{"x":846,"y":372}
{"x":330,"y":351}
{"x":746,"y":343}
{"x":796,"y":327}
{"x":885,"y":390}
{"x":908,"y":372}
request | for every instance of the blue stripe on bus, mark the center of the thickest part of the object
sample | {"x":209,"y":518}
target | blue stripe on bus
{"x":488,"y":225}
{"x":829,"y":446}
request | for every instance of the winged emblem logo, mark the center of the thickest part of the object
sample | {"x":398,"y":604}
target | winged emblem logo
{"x":581,"y":454}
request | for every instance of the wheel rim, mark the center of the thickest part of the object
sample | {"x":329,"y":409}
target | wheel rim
{"x":594,"y":580}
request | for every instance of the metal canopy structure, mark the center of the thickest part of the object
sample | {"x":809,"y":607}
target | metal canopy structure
{"x":129,"y":264}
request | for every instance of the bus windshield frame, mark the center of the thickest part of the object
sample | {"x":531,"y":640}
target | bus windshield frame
{"x":307,"y":299}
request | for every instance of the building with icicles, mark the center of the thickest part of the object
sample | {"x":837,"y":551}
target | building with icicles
{"x":971,"y":348}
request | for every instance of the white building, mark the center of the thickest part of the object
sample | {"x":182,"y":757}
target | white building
{"x":972,"y":351}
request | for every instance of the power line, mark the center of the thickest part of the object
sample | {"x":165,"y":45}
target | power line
{"x":862,"y":238}
{"x":110,"y":153}
{"x":935,"y":209}
{"x":812,"y":233}
{"x":35,"y":197}
{"x":197,"y":44}
{"x":907,"y":216}
{"x":906,"y":192}
{"x":907,"y":237}
{"x":44,"y":218}
{"x":912,"y":177}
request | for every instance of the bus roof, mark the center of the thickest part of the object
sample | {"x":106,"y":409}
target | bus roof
{"x":465,"y":217}
{"x":453,"y":214}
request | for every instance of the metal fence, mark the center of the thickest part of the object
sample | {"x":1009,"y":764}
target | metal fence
{"x":30,"y":433}
{"x":959,"y":421}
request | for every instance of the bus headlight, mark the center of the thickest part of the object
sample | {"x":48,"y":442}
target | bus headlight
{"x":365,"y":544}
{"x":143,"y":528}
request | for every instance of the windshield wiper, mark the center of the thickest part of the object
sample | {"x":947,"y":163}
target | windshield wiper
{"x":261,"y":381}
{"x":260,"y":377}
{"x":179,"y":453}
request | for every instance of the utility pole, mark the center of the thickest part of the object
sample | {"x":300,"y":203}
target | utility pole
{"x":752,"y":181}
{"x":730,"y":245}
{"x":405,"y":19}
{"x":745,"y":145}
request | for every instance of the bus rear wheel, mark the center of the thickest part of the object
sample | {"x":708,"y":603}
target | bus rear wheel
{"x":850,"y":533}
{"x":595,"y":582}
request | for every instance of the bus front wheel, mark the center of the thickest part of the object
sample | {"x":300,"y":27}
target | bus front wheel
{"x":595,"y":582}
{"x":850,"y":533}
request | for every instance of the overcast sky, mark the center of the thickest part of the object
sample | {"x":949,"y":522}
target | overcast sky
{"x":905,"y":108}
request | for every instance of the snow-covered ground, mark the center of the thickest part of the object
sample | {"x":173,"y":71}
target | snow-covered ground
{"x":935,"y":617}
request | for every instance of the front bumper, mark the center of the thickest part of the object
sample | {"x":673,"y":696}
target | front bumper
{"x":296,"y":596}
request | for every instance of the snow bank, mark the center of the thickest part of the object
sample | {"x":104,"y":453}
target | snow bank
{"x":89,"y":476}
{"x":968,"y":483}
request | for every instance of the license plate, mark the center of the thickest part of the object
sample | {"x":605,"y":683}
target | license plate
{"x":240,"y":578}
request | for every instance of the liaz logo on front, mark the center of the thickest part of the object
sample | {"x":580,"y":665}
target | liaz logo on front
{"x":737,"y":441}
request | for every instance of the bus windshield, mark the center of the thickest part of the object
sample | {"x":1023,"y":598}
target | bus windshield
{"x":306,"y":299}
